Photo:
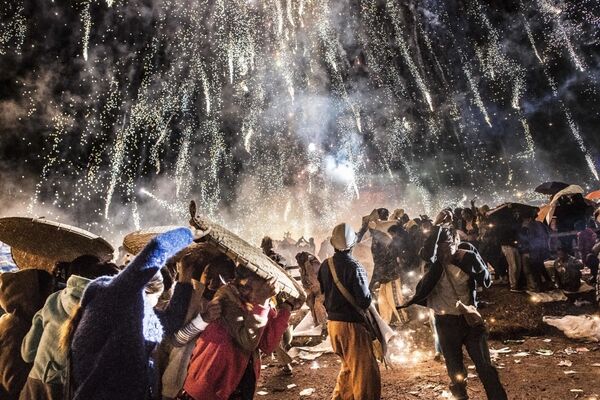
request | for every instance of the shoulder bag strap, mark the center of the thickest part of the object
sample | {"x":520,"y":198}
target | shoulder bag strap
{"x":341,"y":287}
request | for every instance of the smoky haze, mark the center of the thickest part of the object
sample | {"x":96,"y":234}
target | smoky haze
{"x":290,"y":115}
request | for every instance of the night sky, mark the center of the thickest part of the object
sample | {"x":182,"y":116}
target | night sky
{"x":116,"y":113}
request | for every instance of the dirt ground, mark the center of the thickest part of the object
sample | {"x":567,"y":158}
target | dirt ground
{"x":536,"y":362}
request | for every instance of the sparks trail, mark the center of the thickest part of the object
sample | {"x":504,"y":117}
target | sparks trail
{"x":221,"y":100}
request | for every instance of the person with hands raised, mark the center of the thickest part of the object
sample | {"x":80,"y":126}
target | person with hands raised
{"x":111,"y":337}
{"x":210,"y":269}
{"x":225,"y":364}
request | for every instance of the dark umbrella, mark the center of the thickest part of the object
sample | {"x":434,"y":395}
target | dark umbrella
{"x":551,"y":188}
{"x":508,"y":211}
{"x":572,"y":209}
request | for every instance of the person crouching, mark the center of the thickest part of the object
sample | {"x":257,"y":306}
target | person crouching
{"x":225,"y":364}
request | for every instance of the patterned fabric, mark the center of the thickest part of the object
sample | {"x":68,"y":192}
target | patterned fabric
{"x":190,"y":331}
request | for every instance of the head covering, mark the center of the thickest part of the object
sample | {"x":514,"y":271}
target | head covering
{"x":397,"y":214}
{"x":343,"y":237}
{"x":437,"y":235}
{"x":383,"y":213}
{"x":266,"y":244}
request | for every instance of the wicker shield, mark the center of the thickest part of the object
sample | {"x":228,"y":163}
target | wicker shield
{"x":134,"y":242}
{"x":38,"y":243}
{"x":246,"y":255}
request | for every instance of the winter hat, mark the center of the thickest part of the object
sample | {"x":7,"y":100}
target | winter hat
{"x":343,"y":237}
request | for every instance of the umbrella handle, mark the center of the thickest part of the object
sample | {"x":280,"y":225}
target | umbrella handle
{"x":192,"y":208}
{"x":193,"y":220}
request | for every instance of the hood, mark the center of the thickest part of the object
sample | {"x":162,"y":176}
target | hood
{"x":71,"y":295}
{"x":24,"y":292}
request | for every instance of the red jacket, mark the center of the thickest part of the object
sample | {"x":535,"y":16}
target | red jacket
{"x":218,"y":363}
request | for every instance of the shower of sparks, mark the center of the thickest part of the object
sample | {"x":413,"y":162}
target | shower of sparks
{"x":136,"y":216}
{"x":528,"y":137}
{"x":405,"y":53}
{"x":532,"y":40}
{"x":476,"y":95}
{"x":86,"y":20}
{"x":12,"y":34}
{"x":176,"y":210}
{"x":296,"y":109}
{"x":402,"y":350}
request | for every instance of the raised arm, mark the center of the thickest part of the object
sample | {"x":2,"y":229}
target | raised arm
{"x":173,"y":317}
{"x":146,"y":264}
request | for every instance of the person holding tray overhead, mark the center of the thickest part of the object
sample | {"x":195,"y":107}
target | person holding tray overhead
{"x":225,"y":364}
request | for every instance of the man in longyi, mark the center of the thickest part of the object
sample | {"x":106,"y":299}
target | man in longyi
{"x":359,"y":378}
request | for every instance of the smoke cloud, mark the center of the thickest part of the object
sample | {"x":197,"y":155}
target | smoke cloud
{"x":290,"y":115}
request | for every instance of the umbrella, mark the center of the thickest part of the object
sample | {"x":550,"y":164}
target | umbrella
{"x":509,"y":210}
{"x":134,"y":242}
{"x":246,"y":255}
{"x":595,"y":195}
{"x":569,"y":190}
{"x":551,"y":188}
{"x":39,"y":243}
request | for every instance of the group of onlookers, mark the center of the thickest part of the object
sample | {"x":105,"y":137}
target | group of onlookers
{"x":523,"y":252}
{"x":182,"y":321}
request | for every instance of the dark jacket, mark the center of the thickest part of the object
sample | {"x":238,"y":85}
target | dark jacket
{"x":22,"y":294}
{"x":385,"y":268}
{"x":111,"y":347}
{"x":400,"y":254}
{"x":539,"y":241}
{"x":354,"y":278}
{"x":534,"y":239}
{"x":523,"y":240}
{"x":466,"y":261}
{"x":506,"y":233}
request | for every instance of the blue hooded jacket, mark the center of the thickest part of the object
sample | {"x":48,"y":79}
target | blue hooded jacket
{"x":110,"y":351}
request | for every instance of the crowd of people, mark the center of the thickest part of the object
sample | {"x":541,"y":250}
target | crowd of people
{"x":183,"y":321}
{"x":520,"y":250}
